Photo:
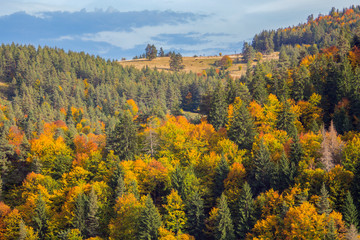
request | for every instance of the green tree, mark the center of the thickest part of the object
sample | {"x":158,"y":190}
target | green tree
{"x":150,"y":221}
{"x":324,"y":204}
{"x":286,"y":119}
{"x":296,"y":150}
{"x":92,"y":222}
{"x":349,"y":211}
{"x":225,"y":227}
{"x":177,"y":180}
{"x":241,"y":128}
{"x":176,"y":62}
{"x":196,"y":216}
{"x":40,"y":217}
{"x":79,"y":221}
{"x":262,"y":169}
{"x":257,"y":86}
{"x":123,"y":139}
{"x":175,"y":218}
{"x":150,"y":52}
{"x":120,"y":187}
{"x":286,"y":172}
{"x":221,"y":172}
{"x":246,"y":219}
{"x":218,"y":106}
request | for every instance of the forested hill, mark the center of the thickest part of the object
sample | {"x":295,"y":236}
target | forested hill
{"x":93,"y":150}
{"x":324,"y":31}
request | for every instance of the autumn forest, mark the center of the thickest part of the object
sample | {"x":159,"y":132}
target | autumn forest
{"x":90,"y":149}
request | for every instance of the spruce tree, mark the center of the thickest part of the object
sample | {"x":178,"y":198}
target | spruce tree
{"x":221,"y":172}
{"x":352,"y":233}
{"x":331,"y":231}
{"x":40,"y":217}
{"x":196,"y":216}
{"x":224,"y":226}
{"x":241,"y":129}
{"x":324,"y":204}
{"x":286,"y":120}
{"x":150,"y":221}
{"x":79,"y":221}
{"x":120,"y":187}
{"x":92,"y":221}
{"x":286,"y":172}
{"x":218,"y":107}
{"x":258,"y":85}
{"x":177,"y":180}
{"x":22,"y":231}
{"x":246,"y":212}
{"x":349,"y":211}
{"x":123,"y":139}
{"x":262,"y":169}
{"x":296,"y":151}
{"x":133,"y":188}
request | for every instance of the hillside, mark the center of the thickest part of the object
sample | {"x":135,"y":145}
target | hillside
{"x":197,"y":64}
{"x":96,"y":149}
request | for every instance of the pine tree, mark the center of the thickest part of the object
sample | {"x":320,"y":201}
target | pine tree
{"x":196,"y":216}
{"x":324,"y":204}
{"x":258,"y":85}
{"x":221,"y":172}
{"x":123,"y":139}
{"x":331,"y":231}
{"x":40,"y":217}
{"x":262,"y":168}
{"x":225,"y":227}
{"x":133,"y":188}
{"x":120,"y":187}
{"x":296,"y":151}
{"x":241,"y":128}
{"x":218,"y":106}
{"x":92,"y":222}
{"x":286,"y":120}
{"x":349,"y":211}
{"x":286,"y":172}
{"x":79,"y":221}
{"x":246,"y":212}
{"x":150,"y":221}
{"x":177,"y":180}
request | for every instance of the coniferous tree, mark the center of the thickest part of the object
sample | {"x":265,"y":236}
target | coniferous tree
{"x":257,"y":86}
{"x":177,"y":180}
{"x":324,"y":204}
{"x":92,"y":222}
{"x":150,"y":221}
{"x":196,"y":216}
{"x":246,"y":212}
{"x":120,"y":188}
{"x":286,"y":172}
{"x":286,"y":120}
{"x":40,"y":217}
{"x":349,"y":211}
{"x":262,"y":169}
{"x":221,"y":172}
{"x":79,"y":221}
{"x":225,"y":227}
{"x":352,"y":233}
{"x":241,"y":129}
{"x":331,"y":231}
{"x":218,"y":106}
{"x":122,"y":140}
{"x":296,"y":151}
{"x":150,"y":52}
{"x":22,"y":231}
{"x":133,"y":188}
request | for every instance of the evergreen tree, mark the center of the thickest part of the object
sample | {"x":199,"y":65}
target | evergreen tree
{"x":286,"y":172}
{"x":296,"y":151}
{"x":40,"y":217}
{"x":176,"y":62}
{"x":331,"y":231}
{"x":225,"y":227}
{"x":133,"y":188}
{"x":262,"y":169}
{"x":349,"y":211}
{"x":246,"y":219}
{"x":286,"y":119}
{"x":218,"y":107}
{"x":196,"y":216}
{"x":352,"y":233}
{"x":123,"y":139}
{"x":241,"y":129}
{"x":177,"y":180}
{"x":258,"y":85}
{"x":150,"y":221}
{"x":324,"y":204}
{"x":79,"y":221}
{"x":175,"y":218}
{"x":221,"y":172}
{"x":92,"y":222}
{"x":150,"y":52}
{"x":120,"y":188}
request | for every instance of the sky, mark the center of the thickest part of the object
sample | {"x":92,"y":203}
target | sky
{"x":116,"y":29}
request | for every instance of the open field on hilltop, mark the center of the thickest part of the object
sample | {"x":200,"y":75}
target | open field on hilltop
{"x":196,"y":64}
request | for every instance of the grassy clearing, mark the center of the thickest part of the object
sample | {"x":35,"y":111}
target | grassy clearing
{"x":196,"y":64}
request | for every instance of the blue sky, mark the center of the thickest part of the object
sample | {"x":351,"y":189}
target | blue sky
{"x":122,"y":28}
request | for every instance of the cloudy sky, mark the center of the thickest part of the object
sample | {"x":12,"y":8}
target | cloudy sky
{"x":122,"y":28}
